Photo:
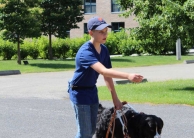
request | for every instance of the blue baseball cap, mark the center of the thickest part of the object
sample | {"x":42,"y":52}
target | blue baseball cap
{"x":97,"y":23}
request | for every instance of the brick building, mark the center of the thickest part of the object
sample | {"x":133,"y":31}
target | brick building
{"x":109,"y":10}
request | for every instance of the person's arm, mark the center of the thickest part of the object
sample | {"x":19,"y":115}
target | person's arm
{"x":110,"y":85}
{"x":98,"y":67}
{"x":109,"y":74}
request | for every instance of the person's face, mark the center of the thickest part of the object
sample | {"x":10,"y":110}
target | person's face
{"x":99,"y":35}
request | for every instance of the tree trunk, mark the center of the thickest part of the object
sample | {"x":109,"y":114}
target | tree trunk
{"x":18,"y":48}
{"x":50,"y":52}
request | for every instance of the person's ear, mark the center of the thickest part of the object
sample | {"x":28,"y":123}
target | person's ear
{"x":90,"y":32}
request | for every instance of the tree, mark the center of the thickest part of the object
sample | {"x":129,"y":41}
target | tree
{"x":18,"y":23}
{"x":161,"y":22}
{"x":58,"y":17}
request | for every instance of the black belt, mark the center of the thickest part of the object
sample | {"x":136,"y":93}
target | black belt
{"x":74,"y":87}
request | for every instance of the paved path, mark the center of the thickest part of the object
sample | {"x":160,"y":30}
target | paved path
{"x":54,"y":84}
{"x":36,"y":105}
{"x":54,"y":118}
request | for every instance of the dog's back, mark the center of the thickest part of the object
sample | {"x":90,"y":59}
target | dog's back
{"x":139,"y":125}
{"x":103,"y":119}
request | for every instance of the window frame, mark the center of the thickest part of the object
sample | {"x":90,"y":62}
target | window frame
{"x":90,"y":6}
{"x":113,"y":4}
{"x":119,"y":26}
{"x":68,"y":34}
{"x":85,"y":29}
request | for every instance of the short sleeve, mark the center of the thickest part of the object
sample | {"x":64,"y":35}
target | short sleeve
{"x":87,"y":58}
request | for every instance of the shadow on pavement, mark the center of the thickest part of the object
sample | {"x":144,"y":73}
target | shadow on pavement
{"x":53,"y":66}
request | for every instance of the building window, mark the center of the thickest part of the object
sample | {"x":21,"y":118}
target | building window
{"x":68,"y":34}
{"x":115,"y":7}
{"x":117,"y":26}
{"x":85,"y":28}
{"x":89,"y":6}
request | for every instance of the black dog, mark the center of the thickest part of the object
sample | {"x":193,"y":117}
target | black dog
{"x":139,"y":125}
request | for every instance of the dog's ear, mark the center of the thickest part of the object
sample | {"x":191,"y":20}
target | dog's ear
{"x":149,"y":121}
{"x":100,"y":108}
{"x":139,"y":122}
{"x":160,"y":124}
{"x":100,"y":105}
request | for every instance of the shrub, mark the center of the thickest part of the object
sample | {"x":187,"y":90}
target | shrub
{"x":75,"y":44}
{"x":86,"y":37}
{"x":112,"y":42}
{"x":130,"y":46}
{"x":23,"y":52}
{"x":33,"y":50}
{"x":0,"y":48}
{"x":30,"y":48}
{"x":42,"y":44}
{"x":61,"y":47}
{"x":7,"y":49}
{"x":115,"y":41}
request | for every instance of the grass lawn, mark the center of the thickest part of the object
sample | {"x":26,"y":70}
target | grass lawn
{"x":165,"y":92}
{"x":168,"y":92}
{"x":41,"y":65}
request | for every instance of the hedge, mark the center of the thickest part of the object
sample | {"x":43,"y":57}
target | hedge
{"x":7,"y":49}
{"x":117,"y":43}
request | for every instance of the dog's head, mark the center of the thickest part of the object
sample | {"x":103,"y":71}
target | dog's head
{"x":148,"y":126}
{"x":100,"y":108}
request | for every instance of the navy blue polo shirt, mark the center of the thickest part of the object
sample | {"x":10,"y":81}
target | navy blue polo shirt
{"x":85,"y":76}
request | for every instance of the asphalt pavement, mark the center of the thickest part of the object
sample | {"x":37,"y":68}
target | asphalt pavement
{"x":36,"y":105}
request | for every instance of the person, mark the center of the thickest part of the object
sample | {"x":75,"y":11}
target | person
{"x":91,"y":60}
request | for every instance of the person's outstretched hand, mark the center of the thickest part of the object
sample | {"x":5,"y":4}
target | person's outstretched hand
{"x":135,"y":78}
{"x":118,"y":104}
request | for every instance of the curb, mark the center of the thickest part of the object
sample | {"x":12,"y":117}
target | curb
{"x":188,"y":61}
{"x":9,"y":72}
{"x":127,"y":81}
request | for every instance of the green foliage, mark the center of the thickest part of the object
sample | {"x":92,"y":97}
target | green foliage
{"x":86,"y":37}
{"x":61,"y":47}
{"x":0,"y":48}
{"x":42,"y":43}
{"x":7,"y":49}
{"x":30,"y":48}
{"x":112,"y":42}
{"x":33,"y":49}
{"x":75,"y":44}
{"x":19,"y":21}
{"x":24,"y":52}
{"x":122,"y":43}
{"x":162,"y":22}
{"x":58,"y":17}
{"x":189,"y":8}
{"x":33,"y":3}
{"x":130,"y":46}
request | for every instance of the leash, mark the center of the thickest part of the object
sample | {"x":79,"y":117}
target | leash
{"x":123,"y":121}
{"x":112,"y":121}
